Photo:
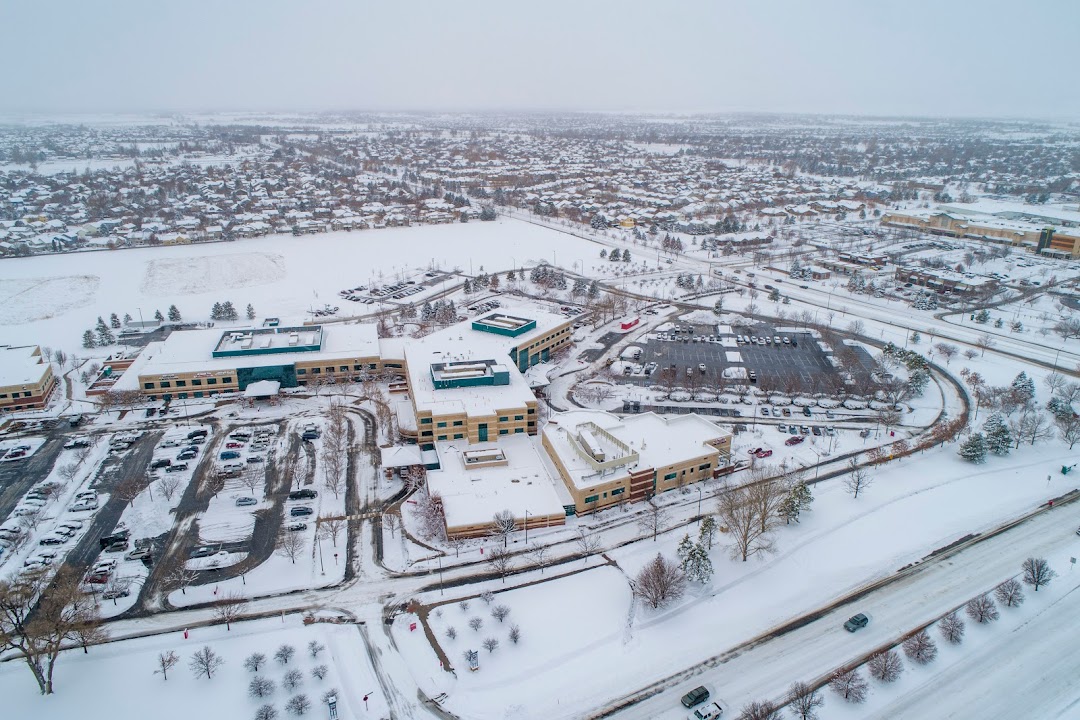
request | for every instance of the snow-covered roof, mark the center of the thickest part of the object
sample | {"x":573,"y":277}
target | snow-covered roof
{"x":472,"y":495}
{"x":20,"y":366}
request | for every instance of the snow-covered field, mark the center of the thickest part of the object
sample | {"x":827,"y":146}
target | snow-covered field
{"x":50,"y":300}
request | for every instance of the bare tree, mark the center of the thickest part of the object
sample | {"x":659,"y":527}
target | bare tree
{"x":1054,"y":382}
{"x":587,"y":542}
{"x":254,"y":661}
{"x":205,"y":661}
{"x":654,"y":518}
{"x":319,"y":671}
{"x":920,"y":647}
{"x":490,"y":644}
{"x":390,"y":522}
{"x":476,"y":623}
{"x":334,"y":464}
{"x":982,"y":609}
{"x":182,"y":577}
{"x":252,"y":477}
{"x":229,"y":608}
{"x":515,"y":634}
{"x":330,"y":527}
{"x":291,"y":545}
{"x":503,"y":525}
{"x":266,"y":712}
{"x":431,"y":515}
{"x":946,"y":351}
{"x":499,"y":612}
{"x":804,"y":701}
{"x":261,"y":687}
{"x":886,"y":666}
{"x":1010,"y":593}
{"x":739,"y":513}
{"x":760,"y":710}
{"x":284,"y":654}
{"x":659,"y":582}
{"x":1037,"y":572}
{"x":165,"y":662}
{"x":38,"y":617}
{"x":849,"y":684}
{"x":951,"y":628}
{"x":292,"y":680}
{"x":168,"y":486}
{"x":1068,"y":429}
{"x":501,"y":561}
{"x":858,"y":478}
{"x":985,"y":342}
{"x":298,"y":704}
{"x":538,"y":555}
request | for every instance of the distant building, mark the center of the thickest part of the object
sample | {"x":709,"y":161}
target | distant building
{"x":26,"y":379}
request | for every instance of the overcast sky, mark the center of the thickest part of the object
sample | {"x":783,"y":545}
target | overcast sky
{"x":919,"y":57}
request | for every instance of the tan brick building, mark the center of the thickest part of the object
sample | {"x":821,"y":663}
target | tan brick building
{"x":26,"y":378}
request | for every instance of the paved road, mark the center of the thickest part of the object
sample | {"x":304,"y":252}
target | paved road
{"x":18,"y":476}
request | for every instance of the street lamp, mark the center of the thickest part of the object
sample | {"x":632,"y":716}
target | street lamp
{"x":699,"y":504}
{"x":526,"y":527}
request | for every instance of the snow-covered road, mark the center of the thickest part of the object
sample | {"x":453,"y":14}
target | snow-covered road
{"x":766,"y":670}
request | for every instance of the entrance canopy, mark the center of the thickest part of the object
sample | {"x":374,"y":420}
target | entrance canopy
{"x":262,"y":389}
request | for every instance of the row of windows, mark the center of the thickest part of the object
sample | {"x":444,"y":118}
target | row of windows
{"x":330,"y":370}
{"x":3,"y":396}
{"x":197,"y":382}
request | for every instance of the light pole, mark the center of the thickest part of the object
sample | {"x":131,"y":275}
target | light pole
{"x":440,"y":576}
{"x":699,"y":504}
{"x":526,"y":527}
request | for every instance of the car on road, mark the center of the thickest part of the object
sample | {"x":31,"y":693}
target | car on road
{"x":244,"y":501}
{"x":830,"y":414}
{"x":301,"y":511}
{"x":712,"y":711}
{"x":296,"y":527}
{"x":177,"y":467}
{"x":304,"y":494}
{"x":695,"y":697}
{"x":794,"y":440}
{"x":856,"y":622}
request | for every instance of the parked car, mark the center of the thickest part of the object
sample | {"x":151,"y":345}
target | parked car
{"x":816,"y":430}
{"x":296,"y":527}
{"x":242,"y":501}
{"x":303,"y":494}
{"x":301,"y":511}
{"x":787,"y":412}
{"x":151,"y":412}
{"x":160,"y":463}
{"x":52,"y":540}
{"x":177,"y":467}
{"x":170,"y":444}
{"x":80,"y":506}
{"x":254,"y":459}
{"x":138,"y":554}
{"x":120,"y":546}
{"x":76,"y":444}
{"x":695,"y":697}
{"x":782,"y":428}
{"x":198,"y":433}
{"x":229,"y":455}
{"x":794,"y":440}
{"x":201,"y":552}
{"x":234,"y":445}
{"x":856,"y":622}
{"x":115,"y":592}
{"x":763,"y":453}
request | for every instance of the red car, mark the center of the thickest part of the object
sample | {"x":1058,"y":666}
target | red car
{"x":755,"y":451}
{"x":763,"y":453}
{"x":234,"y":445}
{"x":795,"y":440}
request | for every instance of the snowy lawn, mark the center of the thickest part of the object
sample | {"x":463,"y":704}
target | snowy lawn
{"x":125,"y":671}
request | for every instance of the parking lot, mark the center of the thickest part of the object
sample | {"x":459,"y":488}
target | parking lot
{"x":801,"y":365}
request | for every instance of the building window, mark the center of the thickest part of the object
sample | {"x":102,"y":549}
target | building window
{"x":504,"y":418}
{"x":591,"y":499}
{"x":670,"y":476}
{"x":211,"y":381}
{"x":442,"y":424}
{"x":706,"y":466}
{"x":146,"y":386}
{"x":181,"y":383}
{"x":357,"y":368}
{"x":617,"y":491}
{"x":196,"y":383}
{"x":458,"y":423}
{"x":198,"y":394}
{"x":441,"y":437}
{"x":426,"y":433}
{"x":301,"y":371}
{"x":458,"y":436}
{"x":316,"y":371}
{"x":504,"y":431}
{"x":226,"y":380}
{"x":345,"y":368}
{"x":518,"y":430}
{"x":165,"y":384}
{"x":519,"y":417}
{"x":425,"y":421}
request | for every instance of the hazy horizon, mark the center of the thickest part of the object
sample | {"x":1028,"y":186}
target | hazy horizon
{"x":986,"y":60}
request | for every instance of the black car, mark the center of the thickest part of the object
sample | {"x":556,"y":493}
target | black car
{"x":197,"y":433}
{"x":695,"y":697}
{"x":178,"y":467}
{"x":151,"y":412}
{"x":160,"y":463}
{"x":301,"y":511}
{"x":305,"y":494}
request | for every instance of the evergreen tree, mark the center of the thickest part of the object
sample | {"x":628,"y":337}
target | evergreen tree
{"x":468,"y":287}
{"x":250,"y":312}
{"x":1023,"y":387}
{"x":999,"y":323}
{"x":215,"y":312}
{"x":158,"y":316}
{"x":707,"y":531}
{"x":684,"y":551}
{"x":174,"y":314}
{"x":228,"y":312}
{"x":104,"y":335}
{"x":626,"y":256}
{"x":983,"y":316}
{"x":918,"y":380}
{"x":774,"y":295}
{"x":916,"y":338}
{"x":127,"y":318}
{"x":598,"y":222}
{"x":699,"y":566}
{"x":511,"y":276}
{"x":427,"y":312}
{"x":798,"y":499}
{"x":974,"y":449}
{"x":88,"y":340}
{"x":594,"y":290}
{"x":114,"y":321}
{"x":999,"y":438}
{"x":614,"y":255}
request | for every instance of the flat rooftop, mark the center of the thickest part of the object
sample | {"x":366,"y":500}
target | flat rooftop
{"x":269,"y":340}
{"x":648,"y":440}
{"x":474,"y":490}
{"x":20,"y":366}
